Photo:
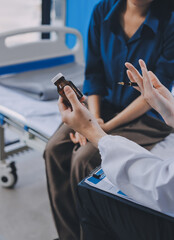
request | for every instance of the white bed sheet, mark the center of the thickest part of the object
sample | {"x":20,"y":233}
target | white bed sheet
{"x":42,"y":116}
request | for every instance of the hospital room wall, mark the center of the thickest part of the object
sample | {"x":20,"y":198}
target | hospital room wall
{"x":78,"y":14}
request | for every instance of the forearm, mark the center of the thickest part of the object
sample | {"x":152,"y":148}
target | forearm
{"x":137,"y":108}
{"x":94,"y":105}
{"x":140,"y":174}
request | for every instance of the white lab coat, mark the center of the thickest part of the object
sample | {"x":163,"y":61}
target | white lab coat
{"x":147,"y":177}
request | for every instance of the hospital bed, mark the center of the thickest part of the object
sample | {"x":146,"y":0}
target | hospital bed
{"x":28,"y":100}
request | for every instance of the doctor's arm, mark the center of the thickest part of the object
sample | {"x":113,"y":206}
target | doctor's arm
{"x":141,"y":175}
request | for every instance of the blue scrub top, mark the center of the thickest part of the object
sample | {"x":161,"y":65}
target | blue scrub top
{"x":108,"y":50}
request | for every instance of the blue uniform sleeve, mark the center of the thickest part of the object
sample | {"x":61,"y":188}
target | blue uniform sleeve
{"x":164,"y":68}
{"x":94,"y":72}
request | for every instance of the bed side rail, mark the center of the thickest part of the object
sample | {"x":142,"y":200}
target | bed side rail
{"x":40,"y":49}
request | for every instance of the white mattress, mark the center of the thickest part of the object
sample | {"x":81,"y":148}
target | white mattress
{"x":42,"y":116}
{"x":36,"y":83}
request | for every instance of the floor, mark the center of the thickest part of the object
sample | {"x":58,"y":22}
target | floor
{"x":25,"y":211}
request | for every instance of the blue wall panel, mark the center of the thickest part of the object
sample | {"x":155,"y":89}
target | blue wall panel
{"x":78,"y":14}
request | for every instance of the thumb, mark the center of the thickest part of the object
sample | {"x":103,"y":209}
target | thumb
{"x":70,"y":94}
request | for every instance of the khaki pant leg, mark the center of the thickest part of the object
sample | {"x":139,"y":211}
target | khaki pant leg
{"x":84,"y":160}
{"x":58,"y":164}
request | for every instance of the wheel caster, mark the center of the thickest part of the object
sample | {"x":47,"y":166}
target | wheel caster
{"x":8,"y":175}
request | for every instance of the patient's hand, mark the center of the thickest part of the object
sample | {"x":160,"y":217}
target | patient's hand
{"x":155,"y":93}
{"x":78,"y":138}
{"x":79,"y":118}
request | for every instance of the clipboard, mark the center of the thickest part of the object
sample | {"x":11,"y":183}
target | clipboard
{"x":98,"y":179}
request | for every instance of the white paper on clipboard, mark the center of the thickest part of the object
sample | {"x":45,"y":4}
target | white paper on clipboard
{"x":103,"y":183}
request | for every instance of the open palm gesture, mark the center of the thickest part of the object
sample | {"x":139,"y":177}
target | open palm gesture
{"x":155,"y":93}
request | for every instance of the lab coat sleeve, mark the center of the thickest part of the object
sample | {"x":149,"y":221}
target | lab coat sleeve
{"x":140,"y":174}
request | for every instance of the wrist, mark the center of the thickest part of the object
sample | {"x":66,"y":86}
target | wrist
{"x":106,"y":127}
{"x":95,"y":114}
{"x":94,"y":133}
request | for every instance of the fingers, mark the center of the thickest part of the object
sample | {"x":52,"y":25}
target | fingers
{"x":147,"y":81}
{"x":82,"y":99}
{"x":78,"y":138}
{"x":142,"y":64}
{"x":134,"y":75}
{"x":70,"y":94}
{"x":148,"y":86}
{"x":82,"y":141}
{"x":62,"y":107}
{"x":133,"y":70}
{"x":73,"y":138}
{"x":149,"y":77}
{"x":144,"y":82}
{"x":83,"y":104}
{"x":129,"y":74}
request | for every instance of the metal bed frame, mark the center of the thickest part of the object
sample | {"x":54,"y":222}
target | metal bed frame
{"x":12,"y":60}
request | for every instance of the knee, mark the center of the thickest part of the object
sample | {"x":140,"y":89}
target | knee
{"x":83,"y":161}
{"x":57,"y":143}
{"x":50,"y":150}
{"x":58,"y":153}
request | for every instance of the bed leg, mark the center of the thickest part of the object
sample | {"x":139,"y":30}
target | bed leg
{"x":8,"y":174}
{"x":2,"y":145}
